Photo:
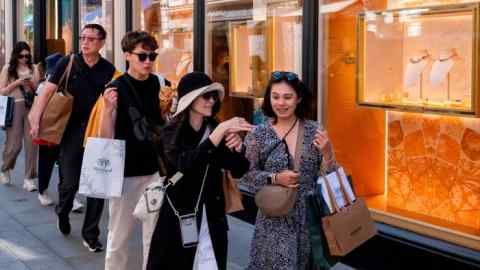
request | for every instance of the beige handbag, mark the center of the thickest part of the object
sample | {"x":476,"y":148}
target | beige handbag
{"x":277,"y":200}
{"x":57,"y":112}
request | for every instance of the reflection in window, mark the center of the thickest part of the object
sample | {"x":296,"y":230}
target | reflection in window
{"x":100,"y":12}
{"x":66,"y":24}
{"x":171,"y":23}
{"x":2,"y":33}
{"x":26,"y":16}
{"x":247,"y":41}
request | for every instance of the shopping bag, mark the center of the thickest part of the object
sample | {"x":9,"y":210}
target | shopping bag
{"x":57,"y":112}
{"x":316,"y":209}
{"x":348,"y":227}
{"x":334,"y":178}
{"x":205,"y":255}
{"x":233,"y":197}
{"x":102,"y":168}
{"x":7,"y":106}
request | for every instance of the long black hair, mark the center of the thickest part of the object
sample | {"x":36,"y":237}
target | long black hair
{"x":13,"y":64}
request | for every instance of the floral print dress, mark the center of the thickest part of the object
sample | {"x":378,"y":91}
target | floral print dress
{"x":281,"y":243}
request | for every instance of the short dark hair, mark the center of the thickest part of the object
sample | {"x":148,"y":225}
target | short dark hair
{"x":101,"y":31}
{"x":133,"y":38}
{"x":298,"y":86}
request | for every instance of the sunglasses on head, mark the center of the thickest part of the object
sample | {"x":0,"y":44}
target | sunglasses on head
{"x":209,"y":95}
{"x":143,"y":56}
{"x":27,"y":56}
{"x":279,"y":75}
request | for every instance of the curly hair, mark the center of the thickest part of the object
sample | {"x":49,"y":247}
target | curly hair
{"x":13,"y":63}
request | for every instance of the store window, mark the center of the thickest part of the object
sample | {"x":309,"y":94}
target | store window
{"x":2,"y":33}
{"x":247,"y":40}
{"x":59,"y":26}
{"x":171,"y":23}
{"x":385,"y":107}
{"x":26,"y":24}
{"x":100,"y":12}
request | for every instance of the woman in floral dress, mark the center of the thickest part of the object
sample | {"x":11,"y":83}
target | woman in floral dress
{"x":282,"y":243}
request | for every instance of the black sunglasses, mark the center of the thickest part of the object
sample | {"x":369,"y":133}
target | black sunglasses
{"x":27,"y":56}
{"x":279,"y":75}
{"x":143,"y":56}
{"x":209,"y":95}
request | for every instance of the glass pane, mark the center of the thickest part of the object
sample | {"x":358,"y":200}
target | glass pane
{"x":247,"y":40}
{"x":101,"y":12}
{"x":2,"y":33}
{"x":26,"y":28}
{"x":171,"y":23}
{"x":66,"y":25}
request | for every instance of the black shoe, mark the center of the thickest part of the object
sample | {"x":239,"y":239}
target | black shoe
{"x":93,"y":246}
{"x":63,"y":226}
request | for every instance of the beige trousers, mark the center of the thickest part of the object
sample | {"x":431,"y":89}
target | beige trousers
{"x":16,"y":134}
{"x":121,"y":223}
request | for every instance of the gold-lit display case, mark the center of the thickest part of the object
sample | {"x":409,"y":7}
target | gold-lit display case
{"x":269,"y":40}
{"x":419,"y":59}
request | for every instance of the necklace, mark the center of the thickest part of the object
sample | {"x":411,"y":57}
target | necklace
{"x":447,"y":58}
{"x":416,"y":61}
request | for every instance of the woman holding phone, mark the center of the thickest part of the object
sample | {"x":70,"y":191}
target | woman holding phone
{"x":19,"y":80}
{"x":286,"y":150}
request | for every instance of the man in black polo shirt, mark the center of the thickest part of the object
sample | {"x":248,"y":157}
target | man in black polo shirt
{"x":89,"y":75}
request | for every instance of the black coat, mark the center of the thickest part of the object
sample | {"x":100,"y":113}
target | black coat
{"x":185,"y":154}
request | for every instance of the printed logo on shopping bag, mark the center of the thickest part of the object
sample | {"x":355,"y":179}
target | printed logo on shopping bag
{"x":103,"y":165}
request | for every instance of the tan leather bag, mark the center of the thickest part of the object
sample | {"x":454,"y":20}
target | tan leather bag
{"x":57,"y":112}
{"x":277,"y":200}
{"x":233,"y":197}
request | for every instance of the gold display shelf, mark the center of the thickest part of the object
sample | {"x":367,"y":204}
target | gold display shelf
{"x":429,"y":226}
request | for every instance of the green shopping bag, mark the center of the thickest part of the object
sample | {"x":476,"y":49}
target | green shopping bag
{"x":316,"y":209}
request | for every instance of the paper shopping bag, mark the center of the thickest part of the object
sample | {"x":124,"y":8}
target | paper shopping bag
{"x":102,"y":168}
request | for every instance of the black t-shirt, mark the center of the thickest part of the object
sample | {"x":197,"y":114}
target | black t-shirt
{"x":85,"y":85}
{"x":140,"y":157}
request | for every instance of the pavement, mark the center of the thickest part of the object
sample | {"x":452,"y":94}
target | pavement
{"x":29,"y":239}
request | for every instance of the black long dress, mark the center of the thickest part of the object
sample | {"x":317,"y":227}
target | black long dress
{"x":185,"y":153}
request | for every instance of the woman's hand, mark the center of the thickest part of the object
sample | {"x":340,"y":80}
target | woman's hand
{"x":235,"y":125}
{"x":110,"y":98}
{"x":322,"y":142}
{"x":234,"y":142}
{"x":287,"y":178}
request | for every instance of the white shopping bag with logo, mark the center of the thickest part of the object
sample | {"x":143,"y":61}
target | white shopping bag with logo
{"x":102,"y":168}
{"x":205,"y":256}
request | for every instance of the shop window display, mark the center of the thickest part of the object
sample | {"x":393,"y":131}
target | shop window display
{"x":26,"y":27}
{"x":431,"y":63}
{"x":100,"y":12}
{"x":247,"y":40}
{"x":422,"y":172}
{"x":171,"y":23}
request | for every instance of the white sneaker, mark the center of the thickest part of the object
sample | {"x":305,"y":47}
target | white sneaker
{"x":77,"y":206}
{"x":5,"y":178}
{"x":29,"y":185}
{"x":44,"y":199}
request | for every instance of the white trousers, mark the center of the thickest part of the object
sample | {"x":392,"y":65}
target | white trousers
{"x":121,"y":223}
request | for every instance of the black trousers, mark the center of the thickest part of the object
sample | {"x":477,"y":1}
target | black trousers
{"x":71,"y":155}
{"x":47,"y":155}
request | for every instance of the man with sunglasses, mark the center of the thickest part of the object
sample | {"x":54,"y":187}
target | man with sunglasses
{"x":131,"y":112}
{"x":89,"y":75}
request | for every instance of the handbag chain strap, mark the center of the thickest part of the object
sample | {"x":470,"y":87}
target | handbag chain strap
{"x":177,"y":213}
{"x":204,"y":137}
